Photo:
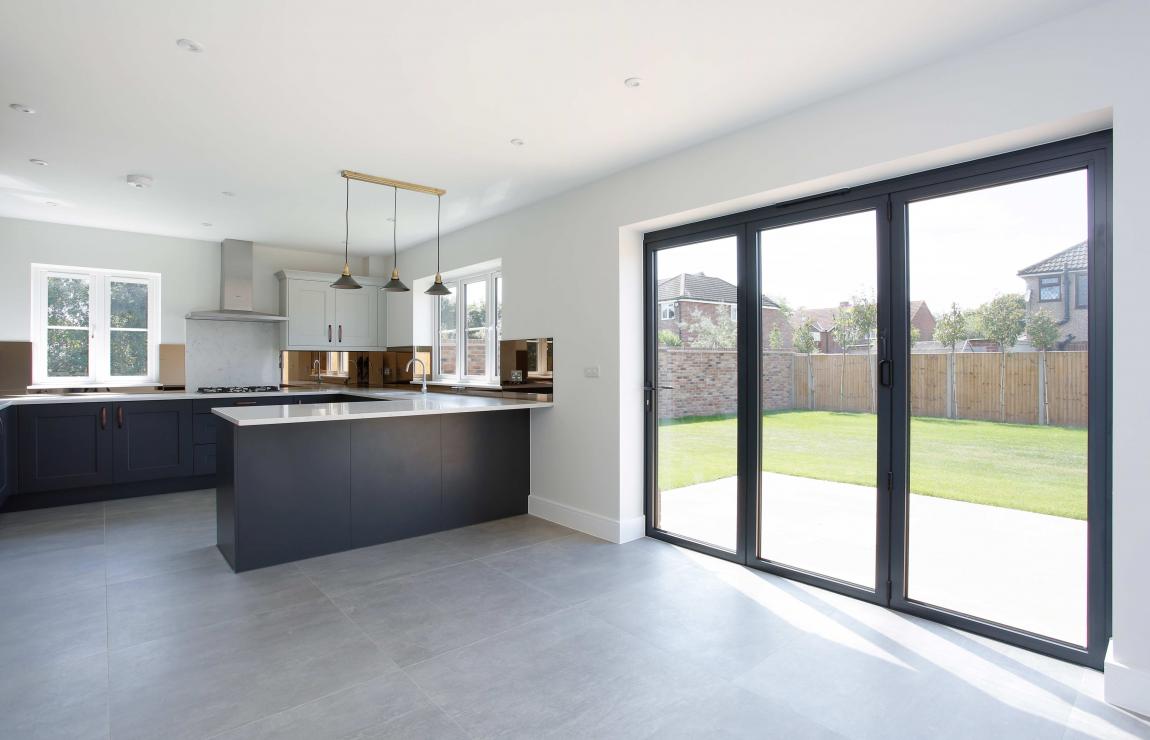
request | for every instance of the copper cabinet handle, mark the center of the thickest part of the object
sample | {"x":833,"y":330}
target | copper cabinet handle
{"x":245,"y":403}
{"x":103,"y":417}
{"x":341,"y":332}
{"x":119,"y":417}
{"x":329,"y":332}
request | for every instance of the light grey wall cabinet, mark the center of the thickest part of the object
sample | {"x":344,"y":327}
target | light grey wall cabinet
{"x":323,"y":318}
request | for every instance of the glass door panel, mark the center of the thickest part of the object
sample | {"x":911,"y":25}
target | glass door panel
{"x":697,"y":392}
{"x":999,"y":401}
{"x":818,"y":506}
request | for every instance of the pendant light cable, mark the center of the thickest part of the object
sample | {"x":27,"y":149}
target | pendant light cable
{"x":395,"y":285}
{"x":437,"y":287}
{"x":345,"y":281}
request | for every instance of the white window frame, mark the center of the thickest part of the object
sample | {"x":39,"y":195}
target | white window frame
{"x":456,"y":284}
{"x":734,"y":312}
{"x":667,"y":311}
{"x":99,"y":326}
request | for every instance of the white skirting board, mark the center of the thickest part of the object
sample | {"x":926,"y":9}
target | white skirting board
{"x":1126,"y":687}
{"x":596,"y":525}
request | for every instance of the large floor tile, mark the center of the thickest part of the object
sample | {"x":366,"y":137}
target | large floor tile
{"x":360,"y":711}
{"x":344,"y":571}
{"x":415,"y":617}
{"x":168,"y":504}
{"x":46,"y":573}
{"x":566,"y":674}
{"x":205,"y":681}
{"x":65,"y":699}
{"x":501,"y":535}
{"x":22,"y":535}
{"x":72,"y":624}
{"x":1092,"y":717}
{"x":713,"y":623}
{"x":158,"y":606}
{"x":579,"y":567}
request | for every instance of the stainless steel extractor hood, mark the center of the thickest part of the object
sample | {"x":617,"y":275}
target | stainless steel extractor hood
{"x":236,"y":269}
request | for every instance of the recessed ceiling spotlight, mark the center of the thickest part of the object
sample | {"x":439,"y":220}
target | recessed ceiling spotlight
{"x":139,"y":181}
{"x":21,"y":108}
{"x":51,"y":203}
{"x":228,"y":194}
{"x":518,"y":142}
{"x":38,"y":162}
{"x":633,"y":81}
{"x":189,"y":45}
{"x":204,"y":223}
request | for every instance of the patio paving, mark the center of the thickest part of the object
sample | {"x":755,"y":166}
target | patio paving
{"x":1017,"y":568}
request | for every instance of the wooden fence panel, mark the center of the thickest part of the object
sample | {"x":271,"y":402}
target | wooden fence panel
{"x":928,"y":385}
{"x":855,"y":374}
{"x":1068,"y":388}
{"x":802,"y":384}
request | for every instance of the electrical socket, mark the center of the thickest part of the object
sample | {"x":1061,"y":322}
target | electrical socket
{"x":591,"y":372}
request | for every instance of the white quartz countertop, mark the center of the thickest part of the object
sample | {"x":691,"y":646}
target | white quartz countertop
{"x":390,"y":404}
{"x":96,"y":397}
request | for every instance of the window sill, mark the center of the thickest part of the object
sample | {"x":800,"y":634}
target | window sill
{"x":462,"y":384}
{"x":64,"y":386}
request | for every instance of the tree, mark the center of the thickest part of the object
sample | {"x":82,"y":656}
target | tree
{"x":775,"y":338}
{"x":864,"y":315}
{"x":805,"y":342}
{"x":1002,"y":321}
{"x":915,"y":336}
{"x":1042,"y":332}
{"x":709,"y":333}
{"x":844,"y":334}
{"x":949,"y":330}
{"x":668,"y":338}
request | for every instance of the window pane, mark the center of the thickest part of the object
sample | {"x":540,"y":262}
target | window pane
{"x":447,"y":330}
{"x":68,"y":352}
{"x":129,"y":353}
{"x":129,"y":305}
{"x":476,"y":297}
{"x":999,"y":392}
{"x":68,"y":303}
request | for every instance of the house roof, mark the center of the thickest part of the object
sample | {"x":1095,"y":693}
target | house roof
{"x":696,"y":286}
{"x":1072,"y":258}
{"x":824,"y":318}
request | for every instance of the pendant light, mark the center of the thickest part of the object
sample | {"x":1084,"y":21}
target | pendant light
{"x":395,"y":285}
{"x":437,"y":288}
{"x":345,"y":281}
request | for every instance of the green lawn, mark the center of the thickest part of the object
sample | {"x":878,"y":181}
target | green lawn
{"x":1018,"y":466}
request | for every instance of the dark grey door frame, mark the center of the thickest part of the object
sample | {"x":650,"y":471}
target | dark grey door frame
{"x":890,"y":199}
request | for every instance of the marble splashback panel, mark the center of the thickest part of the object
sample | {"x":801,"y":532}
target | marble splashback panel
{"x":232,"y":353}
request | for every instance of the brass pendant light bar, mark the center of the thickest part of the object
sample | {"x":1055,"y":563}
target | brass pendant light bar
{"x":353,"y":175}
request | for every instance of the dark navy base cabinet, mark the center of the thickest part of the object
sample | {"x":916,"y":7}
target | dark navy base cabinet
{"x":65,"y":445}
{"x":153,"y":440}
{"x":68,"y":453}
{"x":7,"y":452}
{"x":293,"y":491}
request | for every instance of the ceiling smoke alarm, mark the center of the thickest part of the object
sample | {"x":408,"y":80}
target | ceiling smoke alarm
{"x":139,"y":181}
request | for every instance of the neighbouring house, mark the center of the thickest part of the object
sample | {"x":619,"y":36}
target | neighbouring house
{"x":824,"y":320}
{"x":922,"y":319}
{"x":689,"y":298}
{"x":1060,"y":285}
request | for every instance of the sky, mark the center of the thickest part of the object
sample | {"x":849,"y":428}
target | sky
{"x":964,"y":248}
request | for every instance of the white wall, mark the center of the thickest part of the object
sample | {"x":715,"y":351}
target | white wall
{"x":189,"y":269}
{"x":572,"y":266}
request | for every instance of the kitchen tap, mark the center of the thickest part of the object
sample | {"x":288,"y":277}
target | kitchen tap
{"x":316,"y":373}
{"x":422,"y":372}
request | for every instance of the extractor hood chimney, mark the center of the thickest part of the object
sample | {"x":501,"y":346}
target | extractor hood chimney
{"x":236,"y":269}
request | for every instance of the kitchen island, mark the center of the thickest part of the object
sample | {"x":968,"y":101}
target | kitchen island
{"x":297,"y":481}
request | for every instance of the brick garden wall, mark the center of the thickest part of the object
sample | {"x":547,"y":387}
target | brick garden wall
{"x":705,"y":381}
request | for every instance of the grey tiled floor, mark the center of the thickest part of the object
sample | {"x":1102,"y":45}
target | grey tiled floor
{"x":122,"y":620}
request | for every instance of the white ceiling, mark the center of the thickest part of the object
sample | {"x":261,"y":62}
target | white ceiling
{"x":288,"y":92}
